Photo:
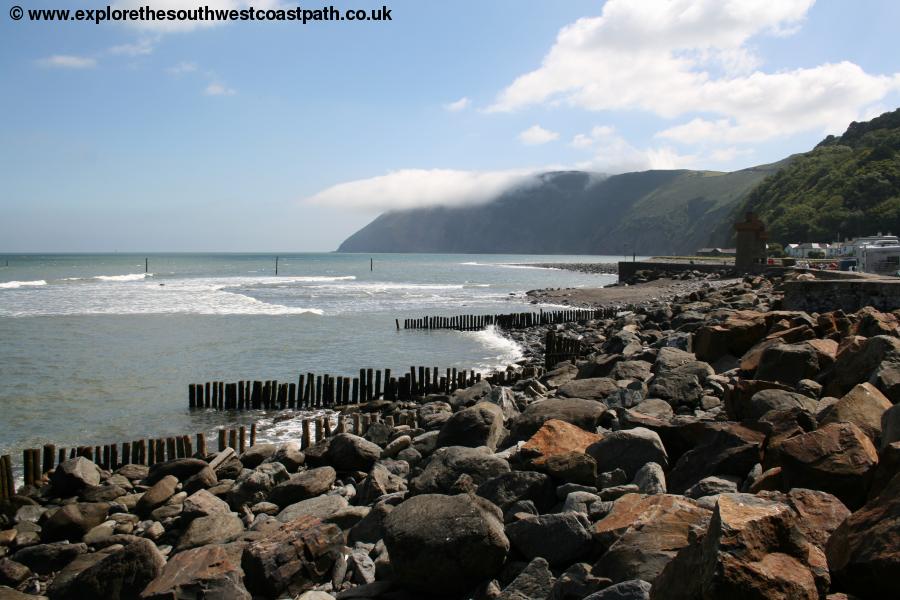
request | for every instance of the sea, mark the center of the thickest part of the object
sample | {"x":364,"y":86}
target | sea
{"x":97,"y":349}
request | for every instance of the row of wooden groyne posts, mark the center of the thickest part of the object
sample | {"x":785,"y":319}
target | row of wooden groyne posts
{"x":521,"y":320}
{"x":312,"y":391}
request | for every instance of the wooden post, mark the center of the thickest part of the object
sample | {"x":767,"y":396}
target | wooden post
{"x":126,"y":453}
{"x":305,"y":441}
{"x":26,"y":461}
{"x":201,"y":445}
{"x":221,"y":439}
{"x":232,"y":439}
{"x":160,"y":451}
{"x":49,"y":455}
{"x":320,"y":430}
{"x":179,"y":447}
{"x":192,"y":395}
{"x":188,"y":450}
{"x":355,"y":390}
{"x":327,"y":423}
{"x":5,"y":492}
{"x":142,"y":452}
{"x":253,"y":434}
{"x":242,"y":439}
{"x":170,"y":449}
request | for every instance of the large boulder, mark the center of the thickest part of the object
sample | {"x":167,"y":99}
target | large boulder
{"x":293,"y":558}
{"x":290,"y":454}
{"x":209,"y":572}
{"x":506,"y":489}
{"x":864,"y":552}
{"x":533,"y":582}
{"x":890,"y":426}
{"x":676,"y":388}
{"x":214,"y":529}
{"x":257,"y":453}
{"x":722,"y":449}
{"x":560,"y":538}
{"x":554,"y":438}
{"x":633,"y":589}
{"x":445,"y":544}
{"x":863,"y":406}
{"x":44,"y":559}
{"x":73,"y":476}
{"x":585,"y":414}
{"x":748,"y":551}
{"x":774,"y":399}
{"x":157,"y":495}
{"x":180,"y":468}
{"x":320,"y":507}
{"x":120,"y":575}
{"x":447,"y":465}
{"x":788,"y":363}
{"x":203,"y":504}
{"x":348,"y":452}
{"x":471,"y":395}
{"x":379,"y":482}
{"x":642,"y":534}
{"x":629,"y":450}
{"x":859,"y":363}
{"x":72,"y":521}
{"x":733,"y":337}
{"x":253,"y":486}
{"x":479,"y":425}
{"x":303,"y":485}
{"x":595,"y":388}
{"x":837,"y":458}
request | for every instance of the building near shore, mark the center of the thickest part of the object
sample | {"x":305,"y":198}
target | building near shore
{"x":716,"y":252}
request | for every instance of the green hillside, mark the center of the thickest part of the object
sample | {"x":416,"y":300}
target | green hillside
{"x":573,"y":212}
{"x":847,"y":186}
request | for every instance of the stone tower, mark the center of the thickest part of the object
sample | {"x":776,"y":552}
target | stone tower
{"x":750,"y":243}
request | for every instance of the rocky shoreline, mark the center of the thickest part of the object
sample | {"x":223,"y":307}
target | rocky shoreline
{"x":594,"y":268}
{"x":707,"y":444}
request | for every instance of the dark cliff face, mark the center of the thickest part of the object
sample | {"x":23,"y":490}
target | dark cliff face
{"x":572,"y":212}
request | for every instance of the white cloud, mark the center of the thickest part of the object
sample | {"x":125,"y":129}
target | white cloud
{"x":460,"y":105}
{"x":142,"y":47}
{"x":586,"y":140}
{"x":68,"y":61}
{"x":537,"y":135}
{"x":218,"y":89}
{"x":182,"y":68}
{"x":414,"y":188}
{"x":675,"y":57}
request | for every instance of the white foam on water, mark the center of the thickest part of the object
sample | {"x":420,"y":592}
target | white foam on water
{"x":508,"y":266}
{"x":502,"y":350}
{"x":14,"y":285}
{"x":129,"y":277}
{"x":204,"y":296}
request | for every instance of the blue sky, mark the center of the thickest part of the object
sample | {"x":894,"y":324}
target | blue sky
{"x":283,"y":137}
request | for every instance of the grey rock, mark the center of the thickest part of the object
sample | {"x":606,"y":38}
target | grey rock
{"x":478,"y":425}
{"x":303,"y":485}
{"x":447,"y":465}
{"x":348,"y":452}
{"x":256,"y":454}
{"x":628,"y":449}
{"x":559,"y":538}
{"x":73,"y":476}
{"x":508,"y":488}
{"x":321,"y":507}
{"x":457,"y":540}
{"x":635,"y":589}
{"x":650,"y":479}
{"x":214,"y":529}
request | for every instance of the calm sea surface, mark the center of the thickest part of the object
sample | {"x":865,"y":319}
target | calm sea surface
{"x":93,"y":351}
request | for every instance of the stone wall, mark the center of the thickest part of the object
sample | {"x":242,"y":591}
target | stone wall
{"x":849,"y":295}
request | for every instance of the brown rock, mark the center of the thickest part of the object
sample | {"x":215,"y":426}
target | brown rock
{"x":641,"y":535}
{"x":863,"y":406}
{"x":838,"y":458}
{"x":293,"y":558}
{"x":864,"y":552}
{"x":871,"y":322}
{"x":119,"y":575}
{"x":206,"y":572}
{"x":72,"y":521}
{"x":735,"y":336}
{"x":858,"y":364}
{"x":726,"y":449}
{"x":747,"y":552}
{"x":554,"y":438}
{"x":156,"y":496}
